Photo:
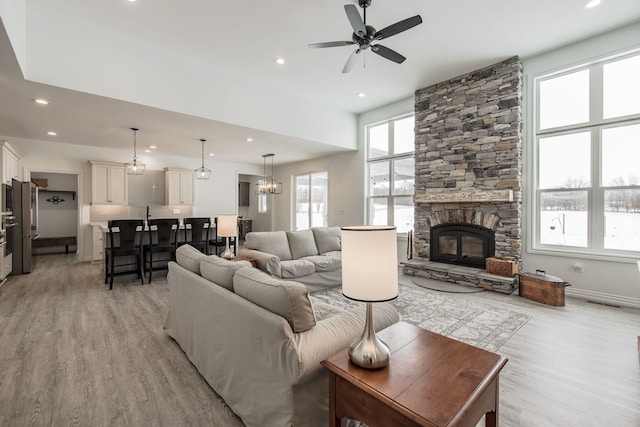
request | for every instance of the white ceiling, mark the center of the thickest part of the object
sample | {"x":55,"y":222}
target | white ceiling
{"x":241,"y":40}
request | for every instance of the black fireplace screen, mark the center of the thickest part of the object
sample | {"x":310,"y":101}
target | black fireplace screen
{"x":462,"y":243}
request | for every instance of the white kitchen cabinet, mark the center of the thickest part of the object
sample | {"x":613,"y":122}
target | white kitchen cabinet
{"x":10,"y":163}
{"x":109,"y":184}
{"x":98,"y":243}
{"x":179,"y":186}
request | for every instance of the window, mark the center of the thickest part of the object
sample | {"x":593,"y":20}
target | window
{"x":391,"y":171}
{"x":262,"y":203}
{"x":311,"y":201}
{"x":587,"y":147}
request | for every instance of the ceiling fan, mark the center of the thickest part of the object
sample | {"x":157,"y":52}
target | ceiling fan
{"x":365,"y":35}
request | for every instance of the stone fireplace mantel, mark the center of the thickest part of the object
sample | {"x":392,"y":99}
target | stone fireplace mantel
{"x":464,"y":196}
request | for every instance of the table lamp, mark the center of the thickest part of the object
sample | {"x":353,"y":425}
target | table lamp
{"x":369,"y":274}
{"x":227,"y":226}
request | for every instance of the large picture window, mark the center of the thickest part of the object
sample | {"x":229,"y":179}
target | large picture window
{"x":391,"y":171}
{"x":587,"y":146}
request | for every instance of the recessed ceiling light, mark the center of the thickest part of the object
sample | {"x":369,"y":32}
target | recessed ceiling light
{"x":248,"y":139}
{"x":51,"y":133}
{"x":362,"y":94}
{"x":41,"y":101}
{"x":279,"y":61}
{"x":592,"y":3}
{"x":153,"y":146}
{"x":132,"y":1}
{"x":146,"y":151}
{"x":211,"y":154}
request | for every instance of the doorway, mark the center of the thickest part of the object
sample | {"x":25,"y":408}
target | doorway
{"x":57,"y":213}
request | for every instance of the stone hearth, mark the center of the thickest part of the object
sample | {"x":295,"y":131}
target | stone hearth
{"x":469,"y":276}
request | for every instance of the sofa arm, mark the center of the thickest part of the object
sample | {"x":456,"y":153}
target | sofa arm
{"x":336,"y":333}
{"x":266,"y":262}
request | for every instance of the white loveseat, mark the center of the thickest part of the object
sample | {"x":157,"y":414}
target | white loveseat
{"x":258,"y":340}
{"x":312,"y":257}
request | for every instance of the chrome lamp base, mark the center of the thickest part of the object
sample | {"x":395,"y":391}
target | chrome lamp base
{"x":227,"y":254}
{"x":369,"y":352}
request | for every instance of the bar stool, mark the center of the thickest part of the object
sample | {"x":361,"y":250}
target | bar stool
{"x":196,"y":233}
{"x":125,"y":240}
{"x":162,"y":239}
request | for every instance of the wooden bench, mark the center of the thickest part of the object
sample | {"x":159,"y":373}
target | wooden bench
{"x":47,"y":242}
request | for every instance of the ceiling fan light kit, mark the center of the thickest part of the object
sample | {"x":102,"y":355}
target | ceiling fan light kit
{"x":365,"y":35}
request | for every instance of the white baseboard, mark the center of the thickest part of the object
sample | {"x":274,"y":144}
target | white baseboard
{"x":603,"y":298}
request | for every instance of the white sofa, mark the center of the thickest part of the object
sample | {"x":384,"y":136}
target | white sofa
{"x":258,"y":340}
{"x":312,"y":257}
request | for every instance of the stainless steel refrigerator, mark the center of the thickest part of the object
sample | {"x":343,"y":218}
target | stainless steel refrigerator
{"x":25,"y":211}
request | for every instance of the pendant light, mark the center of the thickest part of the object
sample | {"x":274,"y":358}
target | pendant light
{"x":268,"y":184}
{"x":134,"y":167}
{"x":202,"y":172}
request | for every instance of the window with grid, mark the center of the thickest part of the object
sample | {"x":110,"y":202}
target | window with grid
{"x":391,"y":171}
{"x":587,"y":153}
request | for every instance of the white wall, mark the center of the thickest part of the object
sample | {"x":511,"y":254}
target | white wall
{"x":219,"y":194}
{"x":607,"y":279}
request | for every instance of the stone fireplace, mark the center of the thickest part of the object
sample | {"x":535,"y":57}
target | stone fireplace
{"x":468,"y":156}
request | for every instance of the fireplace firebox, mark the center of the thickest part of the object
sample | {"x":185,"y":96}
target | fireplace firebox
{"x":462,"y":244}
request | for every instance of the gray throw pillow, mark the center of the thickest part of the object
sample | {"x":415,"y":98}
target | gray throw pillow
{"x":284,"y":298}
{"x":189,"y":257}
{"x":327,"y":239}
{"x":271,"y":242}
{"x":220,"y":271}
{"x":302,"y":243}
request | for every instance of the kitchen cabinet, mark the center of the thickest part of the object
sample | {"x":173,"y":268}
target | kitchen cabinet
{"x":109,"y":185}
{"x":98,"y":243}
{"x":179,"y":185}
{"x":10,"y":163}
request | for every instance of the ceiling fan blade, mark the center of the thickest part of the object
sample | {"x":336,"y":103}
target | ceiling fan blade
{"x":354,"y":19}
{"x":330,"y":44}
{"x":351,"y":61}
{"x":398,"y":27}
{"x":387,"y":53}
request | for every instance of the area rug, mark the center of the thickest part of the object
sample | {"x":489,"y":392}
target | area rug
{"x":457,"y":316}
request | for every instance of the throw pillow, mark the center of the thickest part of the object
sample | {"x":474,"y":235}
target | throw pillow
{"x":327,"y":239}
{"x":189,"y":257}
{"x":220,"y":271}
{"x":284,"y":298}
{"x":302,"y":243}
{"x":271,"y":242}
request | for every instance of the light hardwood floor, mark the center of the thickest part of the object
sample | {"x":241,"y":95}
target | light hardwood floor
{"x":74,"y":353}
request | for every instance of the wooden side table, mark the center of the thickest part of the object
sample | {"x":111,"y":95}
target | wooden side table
{"x":431,"y":381}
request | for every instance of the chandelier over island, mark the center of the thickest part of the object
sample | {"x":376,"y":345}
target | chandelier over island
{"x":268,"y":183}
{"x":202,"y":172}
{"x":134,"y":167}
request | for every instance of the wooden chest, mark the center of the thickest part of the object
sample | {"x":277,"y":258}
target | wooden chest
{"x":502,"y":267}
{"x":541,"y":287}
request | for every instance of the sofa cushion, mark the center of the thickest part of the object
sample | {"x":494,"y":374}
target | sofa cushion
{"x":327,"y":239}
{"x":284,"y":298}
{"x":271,"y":242}
{"x":325,"y":263}
{"x":296,"y":268}
{"x":189,"y":257}
{"x":302,"y":243}
{"x":220,"y":271}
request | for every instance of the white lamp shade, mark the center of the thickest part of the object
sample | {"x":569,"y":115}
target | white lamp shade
{"x":369,"y":263}
{"x":227,"y":225}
